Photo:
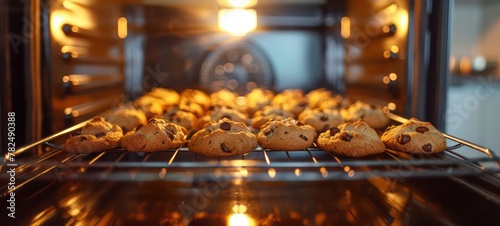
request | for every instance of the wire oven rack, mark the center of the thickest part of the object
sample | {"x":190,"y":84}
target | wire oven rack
{"x":310,"y":164}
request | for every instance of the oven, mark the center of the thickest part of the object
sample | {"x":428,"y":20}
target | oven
{"x":66,"y":61}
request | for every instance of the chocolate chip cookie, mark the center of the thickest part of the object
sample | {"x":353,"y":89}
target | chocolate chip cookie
{"x":223,"y":139}
{"x":156,"y":135}
{"x":414,"y":136}
{"x":373,"y":115}
{"x":97,"y":135}
{"x":321,"y":119}
{"x":180,"y":117}
{"x":352,"y":139}
{"x":220,"y":112}
{"x":317,"y":96}
{"x":127,"y":117}
{"x":286,"y":134}
{"x":269,"y":113}
{"x":257,"y":99}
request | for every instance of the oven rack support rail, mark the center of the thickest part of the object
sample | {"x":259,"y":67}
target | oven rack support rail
{"x":308,"y":164}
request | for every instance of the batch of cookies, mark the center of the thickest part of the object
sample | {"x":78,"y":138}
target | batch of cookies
{"x":224,"y":124}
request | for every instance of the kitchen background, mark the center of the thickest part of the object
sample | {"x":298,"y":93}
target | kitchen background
{"x":473,"y":109}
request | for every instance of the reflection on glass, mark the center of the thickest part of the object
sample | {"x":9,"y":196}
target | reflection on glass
{"x":240,"y":219}
{"x":237,"y":21}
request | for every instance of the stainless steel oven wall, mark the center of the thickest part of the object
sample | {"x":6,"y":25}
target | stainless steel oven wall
{"x":83,"y":60}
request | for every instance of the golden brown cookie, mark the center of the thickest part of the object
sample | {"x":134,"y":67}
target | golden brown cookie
{"x":168,"y":97}
{"x":286,"y":134}
{"x":223,"y":97}
{"x":373,"y":115}
{"x":414,"y":136}
{"x":257,"y":99}
{"x":321,"y":119}
{"x":220,"y":112}
{"x":151,"y":106}
{"x":316,"y":96}
{"x":267,"y":114}
{"x":156,"y":135}
{"x":353,"y":139}
{"x":97,"y":135}
{"x":223,"y":139}
{"x":127,"y":117}
{"x":334,"y":102}
{"x":195,"y":96}
{"x":180,"y":117}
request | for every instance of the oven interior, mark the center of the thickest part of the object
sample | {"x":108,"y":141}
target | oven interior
{"x":381,"y":52}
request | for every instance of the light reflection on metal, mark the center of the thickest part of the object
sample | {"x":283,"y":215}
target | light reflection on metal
{"x":244,"y":172}
{"x":122,"y":27}
{"x":393,"y":76}
{"x":345,"y":27}
{"x":271,"y":172}
{"x":323,"y":171}
{"x":162,"y":173}
{"x":391,"y":106}
{"x":297,"y":172}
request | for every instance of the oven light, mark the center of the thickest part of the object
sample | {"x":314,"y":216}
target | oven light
{"x":237,"y":21}
{"x":122,"y":27}
{"x":240,"y":219}
{"x":237,"y":3}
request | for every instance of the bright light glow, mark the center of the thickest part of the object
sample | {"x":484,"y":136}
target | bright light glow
{"x":239,"y":208}
{"x":392,"y":8}
{"x":395,"y":48}
{"x":345,"y":27}
{"x":237,"y":21}
{"x":393,"y":76}
{"x":271,"y":172}
{"x":237,"y":3}
{"x":240,"y":219}
{"x":122,"y":27}
{"x":465,"y":65}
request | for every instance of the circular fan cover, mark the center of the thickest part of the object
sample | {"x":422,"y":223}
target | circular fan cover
{"x":237,"y":66}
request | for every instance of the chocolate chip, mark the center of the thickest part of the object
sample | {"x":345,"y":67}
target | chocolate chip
{"x":403,"y":139}
{"x":269,"y":132}
{"x":324,"y":117}
{"x":101,"y":134}
{"x":138,"y":127}
{"x":422,"y":129}
{"x":334,"y":130}
{"x":225,"y":148}
{"x":225,"y":126}
{"x":82,"y":139}
{"x":162,"y":142}
{"x":427,"y":147}
{"x":286,"y":132}
{"x":303,"y":137}
{"x":372,"y":106}
{"x":170,"y":135}
{"x":345,"y":136}
{"x":152,"y":120}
